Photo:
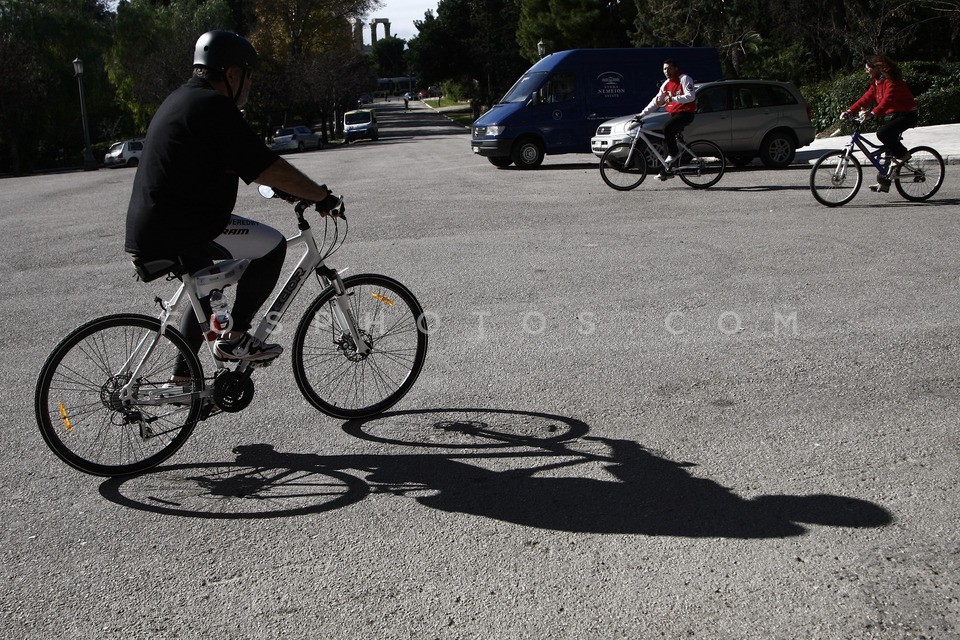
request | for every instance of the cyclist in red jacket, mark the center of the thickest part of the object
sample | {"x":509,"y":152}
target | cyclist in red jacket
{"x":892,"y":100}
{"x":676,"y":94}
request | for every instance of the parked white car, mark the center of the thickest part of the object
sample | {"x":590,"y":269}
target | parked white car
{"x":296,"y":138}
{"x":124,"y":154}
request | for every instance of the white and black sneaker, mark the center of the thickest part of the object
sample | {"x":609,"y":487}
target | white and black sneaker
{"x":246,"y":347}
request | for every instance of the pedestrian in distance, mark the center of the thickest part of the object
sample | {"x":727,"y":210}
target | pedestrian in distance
{"x":890,"y":98}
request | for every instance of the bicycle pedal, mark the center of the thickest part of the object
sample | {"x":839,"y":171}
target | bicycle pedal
{"x":259,"y":364}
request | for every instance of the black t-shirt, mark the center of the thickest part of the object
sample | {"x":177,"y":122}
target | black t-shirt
{"x":197,"y":148}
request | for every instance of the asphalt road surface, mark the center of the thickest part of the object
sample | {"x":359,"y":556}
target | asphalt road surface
{"x":717,"y":414}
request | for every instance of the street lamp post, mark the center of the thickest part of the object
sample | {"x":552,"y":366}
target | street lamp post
{"x":541,"y":48}
{"x":89,"y":164}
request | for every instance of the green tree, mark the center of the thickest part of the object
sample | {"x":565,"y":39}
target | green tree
{"x":152,"y":52}
{"x":388,"y":57}
{"x":471,"y":43}
{"x":40,"y":123}
{"x":574,"y":24}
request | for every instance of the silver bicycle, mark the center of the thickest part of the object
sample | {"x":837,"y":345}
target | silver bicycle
{"x":624,"y":165}
{"x":106,"y":400}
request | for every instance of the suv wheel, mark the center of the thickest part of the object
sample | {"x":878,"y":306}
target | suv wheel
{"x":778,"y":150}
{"x":527,"y":154}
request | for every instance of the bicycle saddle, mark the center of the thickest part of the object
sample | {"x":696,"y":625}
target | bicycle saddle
{"x":151,"y":269}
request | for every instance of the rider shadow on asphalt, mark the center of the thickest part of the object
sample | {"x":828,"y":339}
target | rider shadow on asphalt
{"x":627,"y":488}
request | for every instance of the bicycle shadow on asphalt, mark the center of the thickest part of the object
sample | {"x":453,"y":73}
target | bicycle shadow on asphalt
{"x":526,"y":468}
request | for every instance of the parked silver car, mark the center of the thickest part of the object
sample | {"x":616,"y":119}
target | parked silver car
{"x":124,"y":154}
{"x":745,"y":118}
{"x":296,"y":138}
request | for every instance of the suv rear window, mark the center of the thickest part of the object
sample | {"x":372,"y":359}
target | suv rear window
{"x":761,"y":95}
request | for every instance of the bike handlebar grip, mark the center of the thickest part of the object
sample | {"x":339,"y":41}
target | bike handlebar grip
{"x":333,"y":205}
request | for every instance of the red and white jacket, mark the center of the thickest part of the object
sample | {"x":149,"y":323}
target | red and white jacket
{"x":676,"y":94}
{"x":889,"y":96}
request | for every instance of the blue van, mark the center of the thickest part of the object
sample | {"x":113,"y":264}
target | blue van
{"x":556,"y":106}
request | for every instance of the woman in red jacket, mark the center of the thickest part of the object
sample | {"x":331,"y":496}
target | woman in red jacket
{"x":892,"y":100}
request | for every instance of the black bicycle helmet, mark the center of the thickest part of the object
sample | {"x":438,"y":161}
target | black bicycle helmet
{"x":221,"y":49}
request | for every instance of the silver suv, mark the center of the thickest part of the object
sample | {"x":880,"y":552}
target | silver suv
{"x":745,"y":118}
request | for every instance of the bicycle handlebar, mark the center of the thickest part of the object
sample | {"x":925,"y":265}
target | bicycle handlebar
{"x":331,"y":205}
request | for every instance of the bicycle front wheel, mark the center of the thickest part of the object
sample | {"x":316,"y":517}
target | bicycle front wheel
{"x":336,"y":376}
{"x":622,"y":169}
{"x":104,"y":402}
{"x":922,"y":176}
{"x":835,"y":178}
{"x":701,"y":164}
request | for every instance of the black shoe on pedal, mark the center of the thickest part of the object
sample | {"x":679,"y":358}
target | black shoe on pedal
{"x":246,"y":347}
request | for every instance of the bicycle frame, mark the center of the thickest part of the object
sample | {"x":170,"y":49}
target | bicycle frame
{"x":311,"y":261}
{"x":639,"y":133}
{"x":857,"y":140}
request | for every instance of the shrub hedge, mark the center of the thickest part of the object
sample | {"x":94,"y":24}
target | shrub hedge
{"x":936,"y":86}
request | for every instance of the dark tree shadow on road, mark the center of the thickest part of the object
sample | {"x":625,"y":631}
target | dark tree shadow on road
{"x":525,"y":468}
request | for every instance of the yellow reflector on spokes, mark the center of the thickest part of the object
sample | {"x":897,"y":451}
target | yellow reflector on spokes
{"x":382,"y":298}
{"x":63,"y":416}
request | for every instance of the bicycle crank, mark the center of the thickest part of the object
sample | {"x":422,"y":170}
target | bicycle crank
{"x":233,"y":391}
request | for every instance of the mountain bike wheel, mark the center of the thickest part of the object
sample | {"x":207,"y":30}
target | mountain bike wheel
{"x":329,"y":369}
{"x":81,"y":414}
{"x":622,"y":170}
{"x":835,"y":178}
{"x":701,"y":164}
{"x":922,"y":176}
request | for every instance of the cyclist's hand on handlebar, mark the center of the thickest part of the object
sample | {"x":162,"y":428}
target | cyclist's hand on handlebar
{"x":331,"y":206}
{"x":637,"y":121}
{"x":845,"y":115}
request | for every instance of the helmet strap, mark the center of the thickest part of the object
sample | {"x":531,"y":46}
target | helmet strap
{"x":243,"y":78}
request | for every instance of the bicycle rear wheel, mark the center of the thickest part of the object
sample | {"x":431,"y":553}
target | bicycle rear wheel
{"x":621,"y":169}
{"x":331,"y":372}
{"x":922,"y":176}
{"x":701,"y":164}
{"x":79,"y":407}
{"x":835,"y":178}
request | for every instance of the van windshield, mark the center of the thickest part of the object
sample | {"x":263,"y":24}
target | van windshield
{"x":356,"y":118}
{"x":524,"y":87}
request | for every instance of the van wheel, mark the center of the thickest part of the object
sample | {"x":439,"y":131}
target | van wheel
{"x":132,"y":162}
{"x":527,"y":154}
{"x":300,"y":147}
{"x":777,"y":150}
{"x":501,"y":162}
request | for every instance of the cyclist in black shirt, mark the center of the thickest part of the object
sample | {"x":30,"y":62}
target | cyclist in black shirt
{"x":197,"y":149}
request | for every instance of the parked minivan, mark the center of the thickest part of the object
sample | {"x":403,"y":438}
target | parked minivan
{"x":556,"y":105}
{"x":361,"y":123}
{"x":745,"y":118}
